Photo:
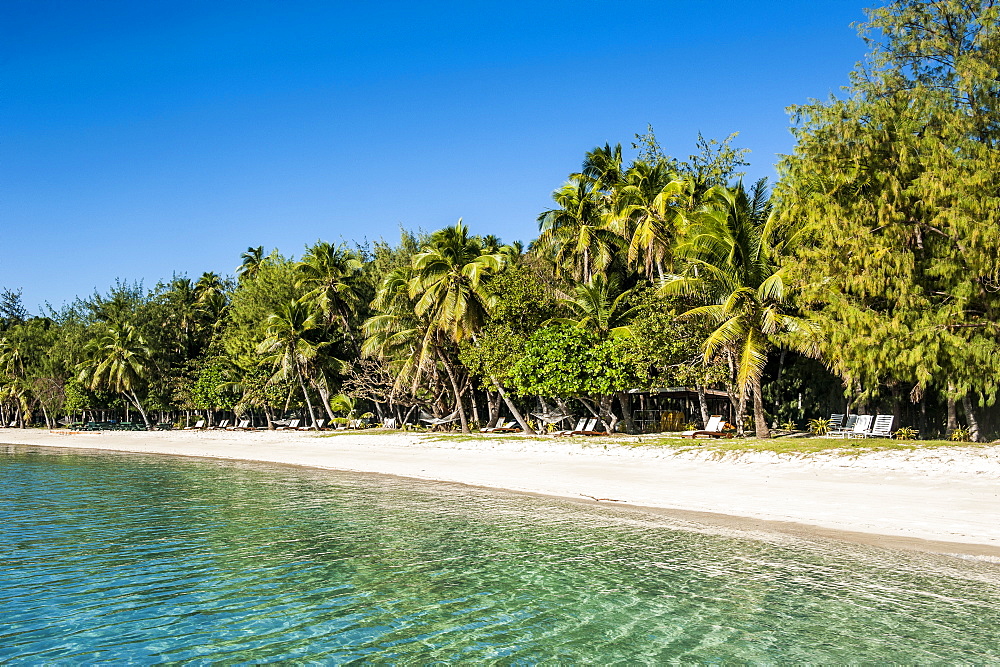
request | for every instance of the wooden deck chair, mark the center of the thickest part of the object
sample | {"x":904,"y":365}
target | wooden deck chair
{"x":197,"y":425}
{"x":579,"y":427}
{"x":293,"y":425}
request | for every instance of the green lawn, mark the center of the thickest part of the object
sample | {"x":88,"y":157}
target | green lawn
{"x":799,"y":445}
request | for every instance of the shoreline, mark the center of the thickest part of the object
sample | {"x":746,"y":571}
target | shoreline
{"x":942,"y":501}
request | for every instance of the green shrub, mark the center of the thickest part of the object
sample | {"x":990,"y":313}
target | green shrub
{"x":819,"y":426}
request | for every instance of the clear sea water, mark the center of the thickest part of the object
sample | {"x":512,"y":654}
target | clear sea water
{"x":128,"y":558}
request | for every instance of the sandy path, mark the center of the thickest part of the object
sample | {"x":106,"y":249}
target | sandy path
{"x":947,"y":495}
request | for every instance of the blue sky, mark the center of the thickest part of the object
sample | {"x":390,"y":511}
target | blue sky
{"x":141,"y":139}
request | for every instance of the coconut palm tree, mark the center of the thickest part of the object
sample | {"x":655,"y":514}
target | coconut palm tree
{"x":120,"y":361}
{"x":288,"y":350}
{"x":577,"y":234}
{"x":447,"y":290}
{"x":600,"y":306}
{"x":330,"y":273}
{"x":648,"y":211}
{"x":730,"y":254}
{"x":250,"y":264}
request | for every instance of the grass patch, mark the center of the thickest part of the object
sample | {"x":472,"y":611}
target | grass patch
{"x":661,"y":441}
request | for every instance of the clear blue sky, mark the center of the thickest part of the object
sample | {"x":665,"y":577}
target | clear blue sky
{"x":139,"y":139}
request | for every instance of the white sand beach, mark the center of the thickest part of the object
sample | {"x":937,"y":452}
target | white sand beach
{"x":942,"y":499}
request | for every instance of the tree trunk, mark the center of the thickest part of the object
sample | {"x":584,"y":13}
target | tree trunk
{"x":952,"y":423}
{"x":741,"y":408}
{"x":475,"y":404}
{"x":305,"y":392}
{"x":607,"y":416}
{"x":494,"y":403}
{"x":522,"y":422}
{"x":970,"y":415}
{"x":759,"y":417}
{"x":702,"y":404}
{"x":142,"y":411}
{"x":625,"y":401}
{"x":323,"y":389}
{"x":458,"y":394}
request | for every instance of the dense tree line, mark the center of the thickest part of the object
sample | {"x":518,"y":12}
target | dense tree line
{"x":870,"y":274}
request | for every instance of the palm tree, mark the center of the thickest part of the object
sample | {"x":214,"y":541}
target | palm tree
{"x":731,"y":253}
{"x":600,"y":306}
{"x":290,"y":353}
{"x":119,"y":360}
{"x":184,"y":314}
{"x":647,"y":213}
{"x":251,"y":261}
{"x":447,"y":289}
{"x":14,"y":385}
{"x":329,"y":273}
{"x":577,"y":233}
{"x":397,"y":335}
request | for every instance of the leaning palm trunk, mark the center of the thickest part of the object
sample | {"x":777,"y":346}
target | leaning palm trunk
{"x":305,"y":392}
{"x":138,"y":406}
{"x":455,"y":390}
{"x":521,"y":421}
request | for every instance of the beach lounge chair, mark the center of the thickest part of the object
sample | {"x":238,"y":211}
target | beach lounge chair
{"x":318,"y":426}
{"x":390,"y":422}
{"x":197,"y":425}
{"x":222,"y":426}
{"x":713,"y":429}
{"x":844,"y":430}
{"x":836,"y":421}
{"x":579,"y":427}
{"x":293,"y":425}
{"x":592,"y":429}
{"x":587,"y":428}
{"x":861,"y":427}
{"x":165,"y":426}
{"x":507,"y":427}
{"x":241,"y":425}
{"x":882,"y":428}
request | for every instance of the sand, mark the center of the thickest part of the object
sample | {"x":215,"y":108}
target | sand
{"x":942,"y":499}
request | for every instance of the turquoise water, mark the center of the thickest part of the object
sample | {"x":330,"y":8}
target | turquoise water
{"x":126,"y":558}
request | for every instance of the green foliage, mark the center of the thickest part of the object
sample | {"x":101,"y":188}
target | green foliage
{"x":960,"y":434}
{"x":905,"y":433}
{"x":897,"y":196}
{"x":568,"y":362}
{"x":819,"y":426}
{"x":211,"y":389}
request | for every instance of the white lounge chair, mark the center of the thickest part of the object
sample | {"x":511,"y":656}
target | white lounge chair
{"x":713,"y":429}
{"x":882,"y":428}
{"x":293,"y":425}
{"x":198,"y":425}
{"x":579,"y":427}
{"x":861,"y":427}
{"x":844,"y":431}
{"x":588,"y":427}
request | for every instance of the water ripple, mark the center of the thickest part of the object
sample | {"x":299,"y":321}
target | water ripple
{"x":123,"y":558}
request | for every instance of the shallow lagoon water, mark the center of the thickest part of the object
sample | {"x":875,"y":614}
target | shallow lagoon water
{"x":119,"y":557}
